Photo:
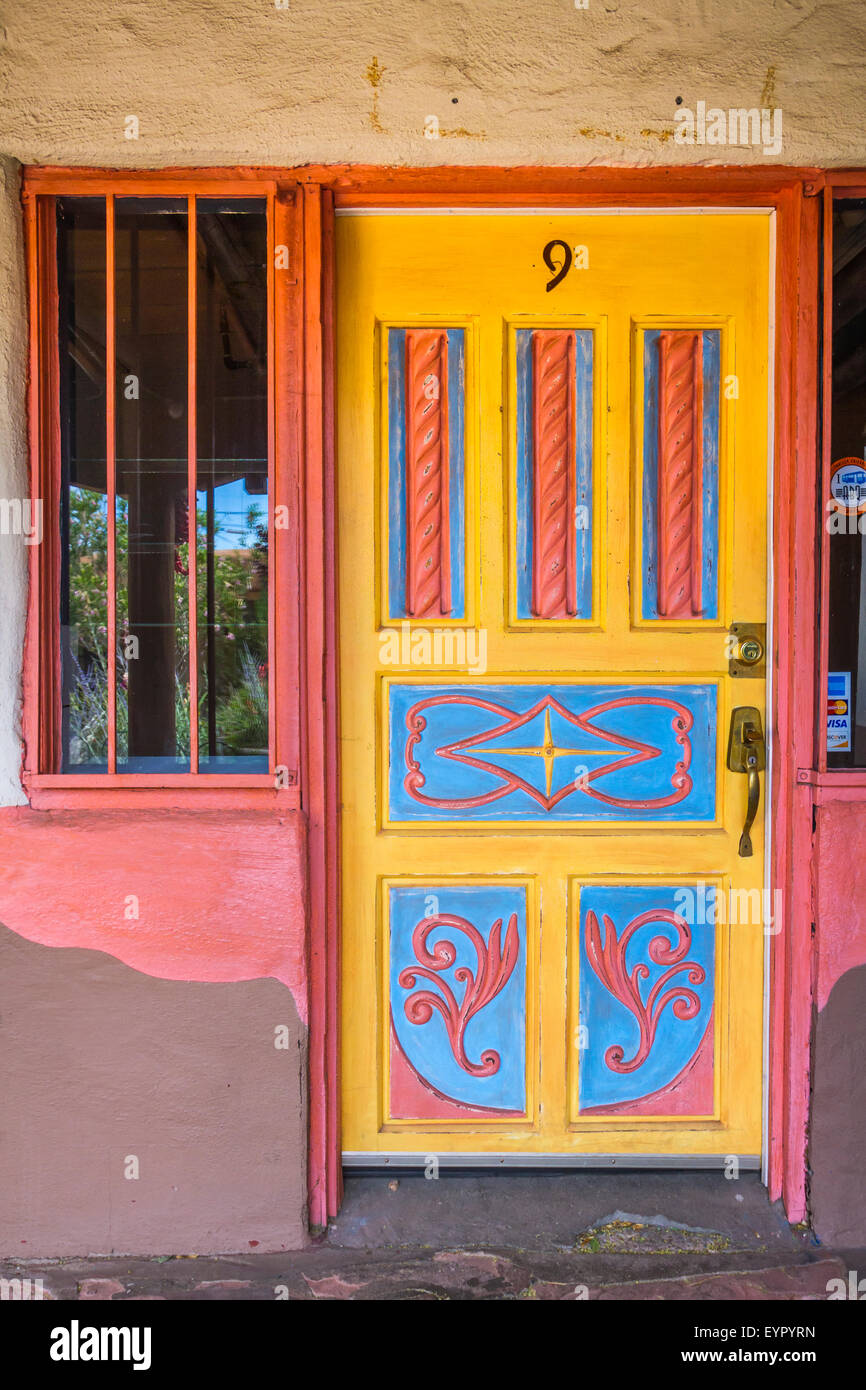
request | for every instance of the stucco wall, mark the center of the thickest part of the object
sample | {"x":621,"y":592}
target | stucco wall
{"x":510,"y":81}
{"x":145,"y":1115}
{"x":13,"y":475}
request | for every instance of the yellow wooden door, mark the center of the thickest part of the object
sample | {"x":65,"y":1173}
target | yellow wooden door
{"x":552,"y":442}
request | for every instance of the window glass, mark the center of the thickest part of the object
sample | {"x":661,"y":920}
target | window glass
{"x":232,"y":507}
{"x":83,"y":509}
{"x":846,"y":507}
{"x":155,"y":519}
{"x":152,"y":494}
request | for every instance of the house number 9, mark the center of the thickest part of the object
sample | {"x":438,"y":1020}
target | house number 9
{"x":567,"y":258}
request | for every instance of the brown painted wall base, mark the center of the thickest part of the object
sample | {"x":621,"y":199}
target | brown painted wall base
{"x":101,"y":1063}
{"x":837,"y":1190}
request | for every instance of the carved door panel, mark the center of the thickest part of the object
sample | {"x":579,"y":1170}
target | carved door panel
{"x":552,"y":507}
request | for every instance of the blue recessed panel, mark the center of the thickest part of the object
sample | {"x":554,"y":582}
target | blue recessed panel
{"x":456,"y":413}
{"x":530,"y":752}
{"x":711,"y":353}
{"x":458,"y":990}
{"x":583,"y":444}
{"x":647,"y":981}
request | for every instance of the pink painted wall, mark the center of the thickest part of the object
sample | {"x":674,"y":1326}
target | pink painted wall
{"x":840,"y":878}
{"x":220,"y":895}
{"x":837,"y":1137}
{"x":178,"y":1035}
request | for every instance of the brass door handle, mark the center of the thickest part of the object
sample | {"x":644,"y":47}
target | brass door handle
{"x":746,"y":753}
{"x":745,"y":849}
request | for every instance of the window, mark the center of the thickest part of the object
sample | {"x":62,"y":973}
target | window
{"x":159,"y":464}
{"x":846,"y":504}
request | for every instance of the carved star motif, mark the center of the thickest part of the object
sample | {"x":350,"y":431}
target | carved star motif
{"x":548,"y":751}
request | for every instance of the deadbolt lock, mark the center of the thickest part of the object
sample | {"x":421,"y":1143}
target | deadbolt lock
{"x":747,"y":655}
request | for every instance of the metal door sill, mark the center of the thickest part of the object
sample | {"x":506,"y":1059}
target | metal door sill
{"x":380,"y":1159}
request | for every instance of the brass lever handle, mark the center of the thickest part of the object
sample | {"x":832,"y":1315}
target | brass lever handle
{"x":746,"y":753}
{"x":745,"y":849}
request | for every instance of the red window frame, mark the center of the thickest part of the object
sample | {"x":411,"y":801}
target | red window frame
{"x":44,"y":783}
{"x":838,"y":782}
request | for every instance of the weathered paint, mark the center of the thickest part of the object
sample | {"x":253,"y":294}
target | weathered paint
{"x":202,"y":1084}
{"x":181,"y":895}
{"x":840,"y":877}
{"x":837,"y":1134}
{"x":181,"y":1074}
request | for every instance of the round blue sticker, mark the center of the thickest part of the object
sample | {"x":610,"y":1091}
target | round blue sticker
{"x":848,"y":484}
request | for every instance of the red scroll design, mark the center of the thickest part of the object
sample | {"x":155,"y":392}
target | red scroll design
{"x":428,"y":546}
{"x":608,"y":961}
{"x":680,"y":483}
{"x":495,"y":964}
{"x":554,"y":583}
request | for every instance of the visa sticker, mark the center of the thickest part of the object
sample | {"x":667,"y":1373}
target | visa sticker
{"x":838,"y":711}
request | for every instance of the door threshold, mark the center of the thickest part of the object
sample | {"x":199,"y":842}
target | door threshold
{"x":379,"y":1159}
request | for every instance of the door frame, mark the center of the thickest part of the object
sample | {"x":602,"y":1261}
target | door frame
{"x":793,"y":196}
{"x":306,"y":201}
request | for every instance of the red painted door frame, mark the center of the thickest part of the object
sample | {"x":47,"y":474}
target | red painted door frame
{"x":793,"y":194}
{"x":305,"y":389}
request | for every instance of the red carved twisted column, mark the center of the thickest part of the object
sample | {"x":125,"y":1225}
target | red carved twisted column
{"x":554,"y":592}
{"x":680,"y":484}
{"x":428,"y":560}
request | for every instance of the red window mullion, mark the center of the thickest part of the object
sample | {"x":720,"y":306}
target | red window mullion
{"x":272,"y":487}
{"x":111,"y":478}
{"x":192,"y":482}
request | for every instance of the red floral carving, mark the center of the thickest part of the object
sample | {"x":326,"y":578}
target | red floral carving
{"x":495,"y":964}
{"x":608,"y":961}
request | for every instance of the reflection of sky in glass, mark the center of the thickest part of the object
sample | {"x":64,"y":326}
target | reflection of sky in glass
{"x":232,"y":503}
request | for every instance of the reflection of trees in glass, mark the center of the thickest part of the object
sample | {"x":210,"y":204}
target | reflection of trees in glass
{"x":240,"y":630}
{"x":240,"y":641}
{"x":88,"y":647}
